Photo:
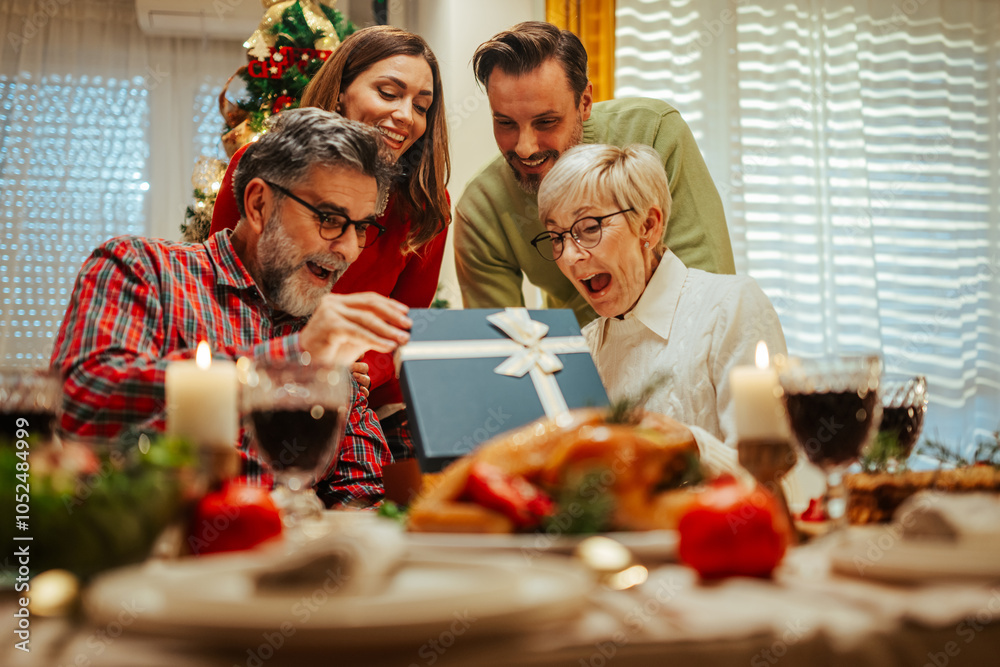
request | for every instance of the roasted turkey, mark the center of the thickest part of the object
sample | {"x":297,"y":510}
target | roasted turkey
{"x":644,"y":468}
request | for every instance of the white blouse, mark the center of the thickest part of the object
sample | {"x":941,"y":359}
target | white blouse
{"x":692,"y":327}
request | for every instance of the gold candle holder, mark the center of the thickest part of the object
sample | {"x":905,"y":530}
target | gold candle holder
{"x":768,"y":461}
{"x":219,"y":465}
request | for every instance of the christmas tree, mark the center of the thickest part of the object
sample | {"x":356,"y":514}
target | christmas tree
{"x":294,"y":39}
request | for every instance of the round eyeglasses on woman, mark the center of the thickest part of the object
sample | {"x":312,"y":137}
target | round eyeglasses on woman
{"x":585,"y":232}
{"x":332,"y":224}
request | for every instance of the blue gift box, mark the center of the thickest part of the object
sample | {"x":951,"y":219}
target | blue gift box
{"x":468,"y":375}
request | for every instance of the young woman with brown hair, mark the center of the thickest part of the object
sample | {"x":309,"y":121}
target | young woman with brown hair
{"x":387,"y":78}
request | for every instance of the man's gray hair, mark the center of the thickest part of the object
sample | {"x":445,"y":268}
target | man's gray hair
{"x":300,"y":139}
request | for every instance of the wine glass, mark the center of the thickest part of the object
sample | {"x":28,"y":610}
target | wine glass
{"x":297,"y":414}
{"x":833,"y":411}
{"x":30,"y":404}
{"x":904,"y":404}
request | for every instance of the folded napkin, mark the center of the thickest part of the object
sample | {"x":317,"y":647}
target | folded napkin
{"x":357,"y":551}
{"x":969,"y":519}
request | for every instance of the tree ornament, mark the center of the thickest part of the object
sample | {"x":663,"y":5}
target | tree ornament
{"x":272,"y":18}
{"x":239,"y":136}
{"x":208,"y":174}
{"x":229,"y":106}
{"x":317,"y":20}
{"x":257,"y":47}
{"x":315,"y":17}
{"x":281,"y":103}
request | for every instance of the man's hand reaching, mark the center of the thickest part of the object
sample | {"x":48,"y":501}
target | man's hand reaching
{"x":345,"y":326}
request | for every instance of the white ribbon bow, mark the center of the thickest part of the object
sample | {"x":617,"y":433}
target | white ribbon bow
{"x":516,"y":323}
{"x":528,"y":352}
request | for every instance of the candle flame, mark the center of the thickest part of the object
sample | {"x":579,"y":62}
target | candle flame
{"x":203,"y":357}
{"x":762,"y":357}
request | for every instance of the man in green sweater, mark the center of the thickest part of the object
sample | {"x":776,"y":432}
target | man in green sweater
{"x":535,"y":76}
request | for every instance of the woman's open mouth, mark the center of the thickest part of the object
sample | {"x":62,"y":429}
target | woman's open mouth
{"x":597,"y":282}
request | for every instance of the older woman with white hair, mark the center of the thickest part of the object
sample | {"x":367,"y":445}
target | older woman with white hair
{"x":605,"y":209}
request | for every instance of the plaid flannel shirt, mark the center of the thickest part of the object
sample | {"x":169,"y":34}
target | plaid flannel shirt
{"x":140,"y":303}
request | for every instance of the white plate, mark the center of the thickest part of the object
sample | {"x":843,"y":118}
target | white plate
{"x":213,"y":600}
{"x":881,"y":553}
{"x":651,"y":545}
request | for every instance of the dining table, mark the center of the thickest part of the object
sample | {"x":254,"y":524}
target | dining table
{"x":826,"y":604}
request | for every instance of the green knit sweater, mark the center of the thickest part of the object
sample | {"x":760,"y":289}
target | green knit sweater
{"x":495,"y":220}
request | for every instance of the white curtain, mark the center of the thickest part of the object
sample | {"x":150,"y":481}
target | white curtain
{"x":98,"y":137}
{"x":855,"y":144}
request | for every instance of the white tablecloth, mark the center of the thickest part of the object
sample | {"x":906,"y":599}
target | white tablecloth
{"x":805,"y":616}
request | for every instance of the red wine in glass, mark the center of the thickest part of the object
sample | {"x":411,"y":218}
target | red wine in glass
{"x":297,"y":414}
{"x":904,"y":424}
{"x":302,"y":439}
{"x":833,"y":410}
{"x":903,"y":408}
{"x":831,"y":426}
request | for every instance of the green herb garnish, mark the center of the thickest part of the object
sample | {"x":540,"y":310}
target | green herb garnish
{"x":691,"y":474}
{"x":391,"y":510}
{"x":629,"y":409}
{"x":585,"y":506}
{"x":883,"y":452}
{"x":986,"y":452}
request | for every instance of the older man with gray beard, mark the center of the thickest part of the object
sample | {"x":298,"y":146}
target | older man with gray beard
{"x":308,"y":193}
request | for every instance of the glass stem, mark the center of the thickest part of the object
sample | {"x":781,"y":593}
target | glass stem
{"x":835,"y":499}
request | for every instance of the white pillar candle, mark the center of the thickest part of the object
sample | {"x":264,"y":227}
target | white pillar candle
{"x":202,"y":399}
{"x":760,"y":414}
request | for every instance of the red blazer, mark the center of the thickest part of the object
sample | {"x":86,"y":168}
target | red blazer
{"x":382,"y":268}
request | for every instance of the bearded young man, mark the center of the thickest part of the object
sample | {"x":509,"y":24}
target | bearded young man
{"x":535,"y":76}
{"x":307,"y":192}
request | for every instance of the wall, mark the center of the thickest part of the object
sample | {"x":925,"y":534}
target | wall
{"x":454,"y":28}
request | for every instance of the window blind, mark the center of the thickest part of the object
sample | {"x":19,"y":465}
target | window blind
{"x":855,"y":145}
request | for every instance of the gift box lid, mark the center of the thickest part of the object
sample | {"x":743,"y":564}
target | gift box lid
{"x":455,"y":398}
